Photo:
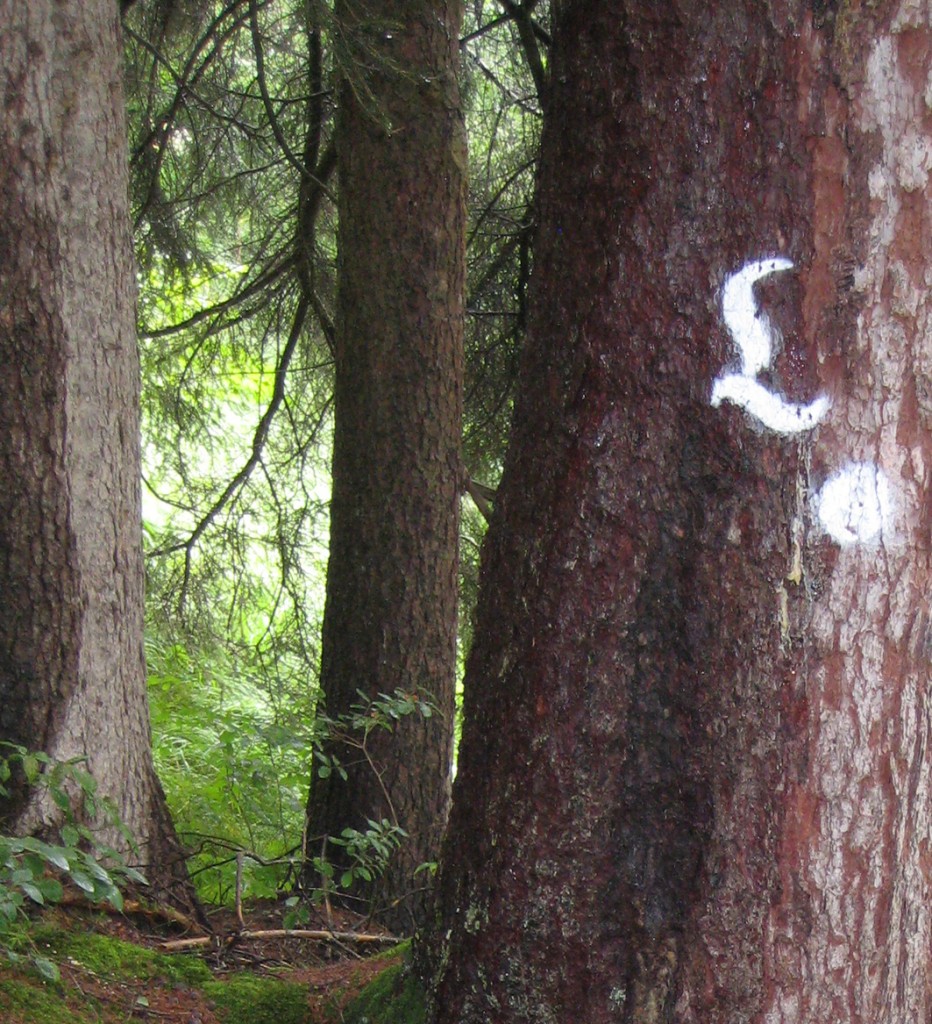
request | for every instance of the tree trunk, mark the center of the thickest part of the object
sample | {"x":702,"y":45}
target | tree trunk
{"x":72,"y":670}
{"x":694,"y":780}
{"x":390,"y":615}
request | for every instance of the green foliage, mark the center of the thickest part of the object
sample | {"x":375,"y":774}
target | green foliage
{"x":245,"y":999}
{"x":235,"y":763}
{"x":366,"y":852}
{"x":351,"y":732}
{"x":367,"y":856}
{"x":235,"y":768}
{"x":30,"y":868}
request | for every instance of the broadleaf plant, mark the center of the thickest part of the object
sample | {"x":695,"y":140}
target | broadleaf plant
{"x":30,"y":868}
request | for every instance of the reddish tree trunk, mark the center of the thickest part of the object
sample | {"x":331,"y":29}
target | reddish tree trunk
{"x":390,"y":616}
{"x":694,"y":778}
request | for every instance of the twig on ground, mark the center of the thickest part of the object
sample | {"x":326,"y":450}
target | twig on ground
{"x":279,"y":933}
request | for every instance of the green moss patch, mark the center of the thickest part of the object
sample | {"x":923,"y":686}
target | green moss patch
{"x":123,"y":961}
{"x":245,"y":999}
{"x":27,"y":1001}
{"x":393,"y":997}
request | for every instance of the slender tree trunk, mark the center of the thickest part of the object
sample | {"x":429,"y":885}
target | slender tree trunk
{"x":390,"y":617}
{"x":72,"y":670}
{"x":694,"y":781}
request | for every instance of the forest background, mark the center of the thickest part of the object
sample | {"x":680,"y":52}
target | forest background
{"x":238,"y":385}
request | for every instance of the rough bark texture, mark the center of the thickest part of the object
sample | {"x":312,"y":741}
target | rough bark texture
{"x":693,"y":784}
{"x":72,"y":671}
{"x":390,"y":617}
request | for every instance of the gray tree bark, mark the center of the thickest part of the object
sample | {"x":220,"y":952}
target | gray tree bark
{"x":694,"y":781}
{"x":72,"y":670}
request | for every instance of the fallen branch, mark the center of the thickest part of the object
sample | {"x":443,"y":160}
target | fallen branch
{"x":278,"y":933}
{"x":161,"y":913}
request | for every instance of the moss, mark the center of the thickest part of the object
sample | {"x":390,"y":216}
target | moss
{"x":393,"y":997}
{"x":120,"y":960}
{"x":248,"y":1000}
{"x":31,"y":1002}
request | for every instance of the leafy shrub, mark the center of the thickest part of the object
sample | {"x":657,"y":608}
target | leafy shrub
{"x":234,"y":763}
{"x":30,"y":868}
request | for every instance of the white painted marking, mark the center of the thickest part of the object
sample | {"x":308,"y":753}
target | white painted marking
{"x":855,"y":504}
{"x":775,"y":414}
{"x":753,"y":335}
{"x":750,"y":328}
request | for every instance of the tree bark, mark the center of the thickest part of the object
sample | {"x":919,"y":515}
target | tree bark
{"x":72,"y":670}
{"x":390,"y":615}
{"x":693,"y":784}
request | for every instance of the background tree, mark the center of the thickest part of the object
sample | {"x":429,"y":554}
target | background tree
{"x":390,"y":617}
{"x":72,"y":671}
{"x":693,"y":783}
{"x":226,"y":102}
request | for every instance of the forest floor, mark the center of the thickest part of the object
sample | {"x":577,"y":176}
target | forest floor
{"x":115,"y":969}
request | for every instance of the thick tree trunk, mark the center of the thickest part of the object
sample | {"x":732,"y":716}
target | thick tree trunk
{"x":72,"y":671}
{"x":390,"y":617}
{"x":694,"y":778}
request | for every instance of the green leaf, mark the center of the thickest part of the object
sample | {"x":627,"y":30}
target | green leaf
{"x":8,"y":907}
{"x":346,"y":879}
{"x":32,"y":892}
{"x":34,"y":863}
{"x":30,"y":768}
{"x":55,"y":856}
{"x":51,"y":889}
{"x":82,"y":881}
{"x":61,"y":798}
{"x":85,"y":780}
{"x":94,"y":869}
{"x":46,"y":968}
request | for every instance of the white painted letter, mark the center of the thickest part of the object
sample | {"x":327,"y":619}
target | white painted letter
{"x":753,"y":336}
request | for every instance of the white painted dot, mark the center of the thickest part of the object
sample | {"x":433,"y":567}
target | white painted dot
{"x":855,"y":505}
